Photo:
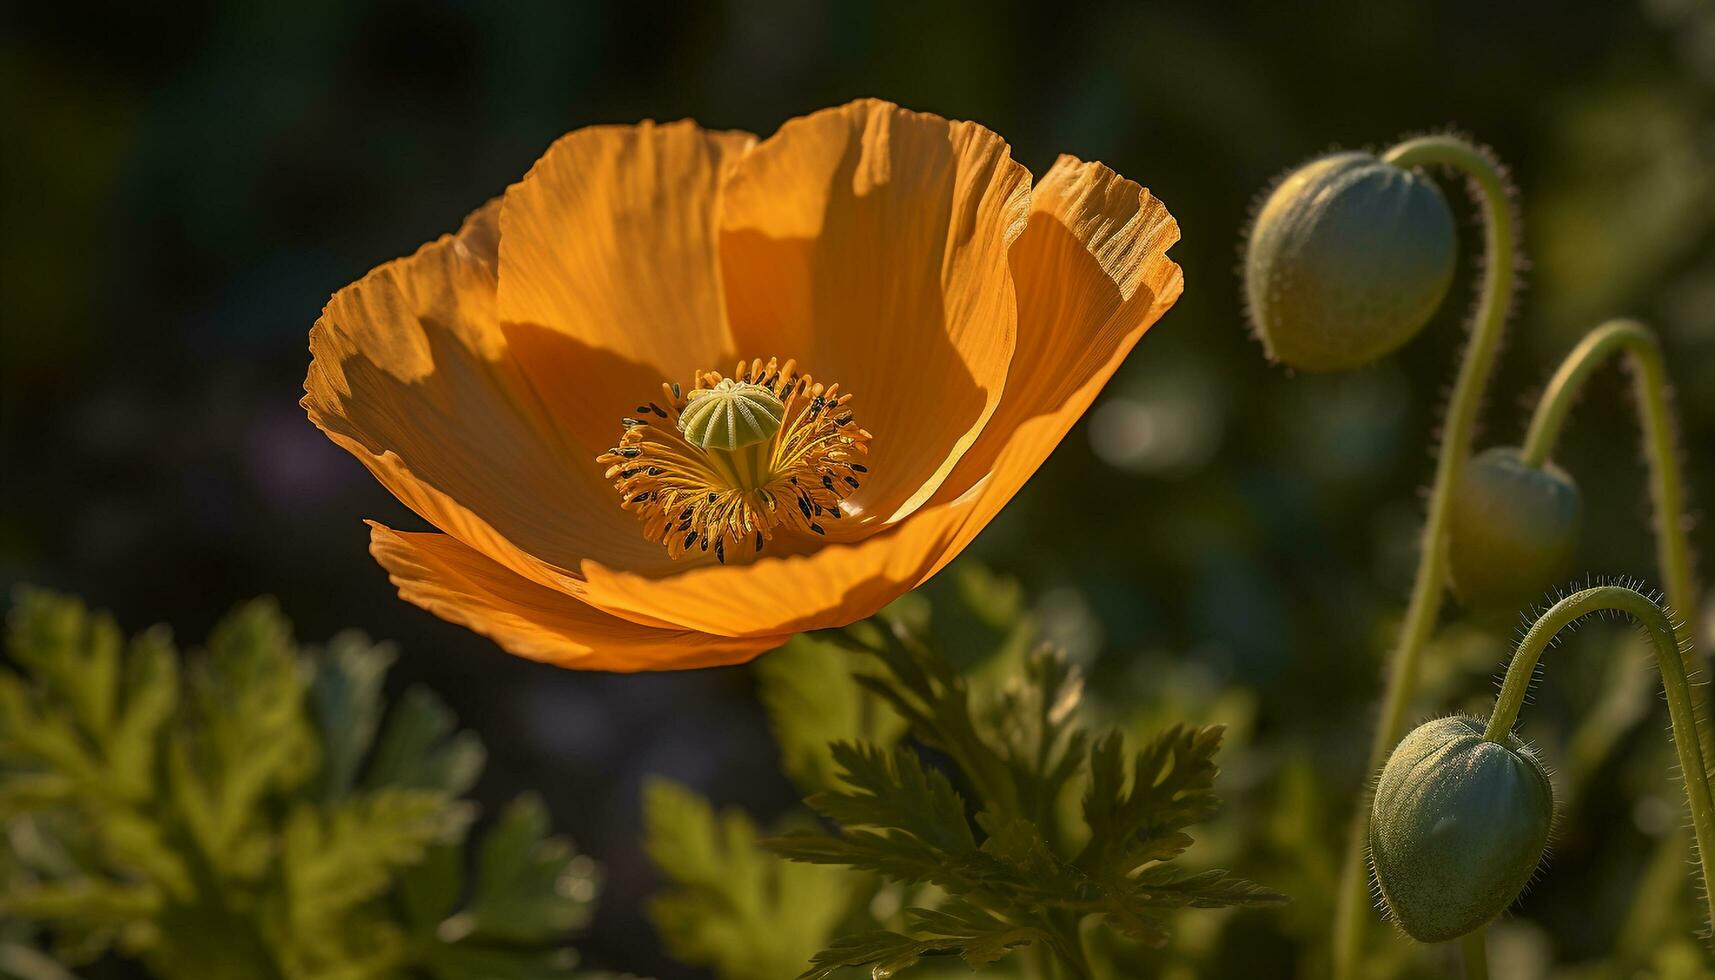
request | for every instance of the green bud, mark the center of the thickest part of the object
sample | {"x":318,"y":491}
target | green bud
{"x":1347,"y":260}
{"x":731,"y":415}
{"x":1458,"y":827}
{"x":1512,"y":529}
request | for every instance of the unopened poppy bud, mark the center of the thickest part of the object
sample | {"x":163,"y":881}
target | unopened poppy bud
{"x":731,"y":415}
{"x":1458,"y":827}
{"x":1347,"y":260}
{"x":1512,"y":529}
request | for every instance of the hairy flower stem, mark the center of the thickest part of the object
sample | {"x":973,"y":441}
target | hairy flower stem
{"x":1670,"y":657}
{"x":1473,"y":946}
{"x":1493,"y":307}
{"x":1667,"y":487}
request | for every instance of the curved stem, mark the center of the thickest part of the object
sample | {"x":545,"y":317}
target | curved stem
{"x":1669,"y":657}
{"x":1667,"y":487}
{"x":1473,"y":946}
{"x":1493,"y":306}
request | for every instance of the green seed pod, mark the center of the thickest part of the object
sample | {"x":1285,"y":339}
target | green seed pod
{"x":1347,"y":260}
{"x":1512,"y":529}
{"x":1458,"y":827}
{"x":731,"y":415}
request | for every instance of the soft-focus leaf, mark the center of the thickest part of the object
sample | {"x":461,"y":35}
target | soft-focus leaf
{"x":1035,"y":723}
{"x":150,"y":696}
{"x":979,"y":618}
{"x":346,"y":699}
{"x":429,"y":890}
{"x":73,"y":655}
{"x":529,"y":886}
{"x":246,"y":736}
{"x":731,"y":906}
{"x":335,"y":858}
{"x":813,"y":700}
{"x":421,"y":747}
{"x":530,"y":890}
{"x":20,"y":962}
{"x":460,"y":961}
{"x":173,"y":816}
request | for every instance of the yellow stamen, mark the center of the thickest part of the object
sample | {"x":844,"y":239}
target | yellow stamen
{"x":747,"y":456}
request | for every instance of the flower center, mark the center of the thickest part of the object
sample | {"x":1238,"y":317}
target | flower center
{"x":745,"y":457}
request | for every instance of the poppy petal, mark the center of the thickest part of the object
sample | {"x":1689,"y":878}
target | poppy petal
{"x":1092,"y":276}
{"x":412,"y":374}
{"x":870,"y":243}
{"x":462,"y":586}
{"x":610,"y":240}
{"x":834,"y":585}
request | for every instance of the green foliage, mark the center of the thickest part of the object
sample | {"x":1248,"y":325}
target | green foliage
{"x":251,"y":811}
{"x":732,"y":906}
{"x":977,"y":937}
{"x":746,"y":912}
{"x":1009,"y":875}
{"x":963,"y":861}
{"x":813,"y":700}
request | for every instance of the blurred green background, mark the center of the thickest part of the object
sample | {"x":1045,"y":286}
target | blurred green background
{"x":186,"y":183}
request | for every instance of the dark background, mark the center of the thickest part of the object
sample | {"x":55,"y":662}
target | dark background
{"x":186,"y":183}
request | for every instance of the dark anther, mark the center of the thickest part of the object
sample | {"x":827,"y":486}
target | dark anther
{"x":654,"y":471}
{"x":804,"y":505}
{"x":859,"y":468}
{"x":759,"y":541}
{"x":642,"y":408}
{"x":690,"y":539}
{"x":713,"y":496}
{"x":676,"y":394}
{"x":629,"y":452}
{"x":720,"y":551}
{"x":627,"y":474}
{"x":817,"y":528}
{"x":657,"y":409}
{"x":827,"y":481}
{"x":852,"y":481}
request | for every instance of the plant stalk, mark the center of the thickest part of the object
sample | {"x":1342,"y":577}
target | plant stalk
{"x":1473,"y":946}
{"x":1429,"y":587}
{"x":1681,"y":708}
{"x":1667,"y":486}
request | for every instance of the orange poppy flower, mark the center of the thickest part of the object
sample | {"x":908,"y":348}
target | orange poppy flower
{"x":914,"y":328}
